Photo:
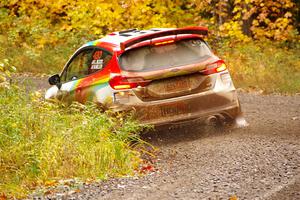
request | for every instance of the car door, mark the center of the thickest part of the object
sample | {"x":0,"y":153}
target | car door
{"x":77,"y":77}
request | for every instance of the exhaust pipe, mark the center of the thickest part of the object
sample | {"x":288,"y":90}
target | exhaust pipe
{"x":212,"y":120}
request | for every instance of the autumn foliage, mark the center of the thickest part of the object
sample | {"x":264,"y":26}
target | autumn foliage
{"x":43,"y":22}
{"x":40,"y":35}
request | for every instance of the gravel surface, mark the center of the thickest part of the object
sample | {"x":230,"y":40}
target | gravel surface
{"x":261,"y":161}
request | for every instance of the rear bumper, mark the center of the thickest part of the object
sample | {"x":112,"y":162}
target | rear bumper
{"x":195,"y":106}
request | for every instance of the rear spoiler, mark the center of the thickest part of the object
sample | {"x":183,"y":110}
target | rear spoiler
{"x":198,"y":30}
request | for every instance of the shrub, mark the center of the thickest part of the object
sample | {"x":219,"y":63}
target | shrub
{"x":42,"y":141}
{"x":271,"y":67}
{"x":5,"y":73}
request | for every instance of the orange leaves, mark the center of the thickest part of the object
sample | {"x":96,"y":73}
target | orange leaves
{"x":233,"y":197}
{"x":51,"y":183}
{"x":3,"y":196}
{"x":147,"y":168}
{"x":272,"y":19}
{"x":49,"y":22}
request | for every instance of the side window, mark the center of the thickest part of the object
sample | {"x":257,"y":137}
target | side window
{"x":85,"y":63}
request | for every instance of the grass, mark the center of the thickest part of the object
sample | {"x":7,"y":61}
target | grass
{"x":47,"y":59}
{"x":271,"y":67}
{"x":42,"y":142}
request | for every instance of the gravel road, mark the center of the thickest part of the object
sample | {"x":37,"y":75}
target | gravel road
{"x":261,"y":161}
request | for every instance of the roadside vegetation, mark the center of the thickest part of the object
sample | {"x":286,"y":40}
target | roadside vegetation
{"x":265,"y":67}
{"x":44,"y":141}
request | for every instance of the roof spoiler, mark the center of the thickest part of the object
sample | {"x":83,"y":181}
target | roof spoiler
{"x":198,"y":30}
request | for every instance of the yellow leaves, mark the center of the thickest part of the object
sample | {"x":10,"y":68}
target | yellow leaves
{"x":39,"y":21}
{"x":66,"y":27}
{"x":236,"y":9}
{"x":233,"y":30}
{"x":255,"y":23}
{"x":288,"y":15}
{"x":103,"y":16}
{"x":279,"y":29}
{"x":5,"y":73}
{"x":269,"y":19}
{"x":36,"y":96}
{"x":51,"y":183}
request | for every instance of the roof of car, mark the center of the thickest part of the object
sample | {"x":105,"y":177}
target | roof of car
{"x":122,"y":36}
{"x":117,"y":40}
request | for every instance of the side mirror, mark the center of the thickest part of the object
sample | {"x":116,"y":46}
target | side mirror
{"x":55,"y":80}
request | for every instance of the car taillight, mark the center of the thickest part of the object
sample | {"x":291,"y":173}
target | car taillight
{"x":216,"y":67}
{"x":121,"y":82}
{"x":164,"y":42}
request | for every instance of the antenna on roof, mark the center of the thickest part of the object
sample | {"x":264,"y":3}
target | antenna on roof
{"x":128,"y":30}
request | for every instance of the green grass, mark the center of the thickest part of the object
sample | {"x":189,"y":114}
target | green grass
{"x":47,"y":59}
{"x":42,"y":141}
{"x":271,"y":67}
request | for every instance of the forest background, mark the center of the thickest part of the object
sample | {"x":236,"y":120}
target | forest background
{"x":42,"y":143}
{"x":259,"y":39}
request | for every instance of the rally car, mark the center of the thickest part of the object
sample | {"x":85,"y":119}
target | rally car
{"x":165,"y":75}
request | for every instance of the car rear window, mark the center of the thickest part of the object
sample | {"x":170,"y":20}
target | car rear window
{"x":151,"y":58}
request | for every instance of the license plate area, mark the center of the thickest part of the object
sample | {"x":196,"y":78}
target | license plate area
{"x":176,"y":85}
{"x":171,"y":87}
